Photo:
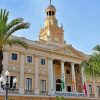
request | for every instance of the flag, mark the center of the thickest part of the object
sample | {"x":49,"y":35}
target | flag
{"x":62,"y":83}
{"x":73,"y":82}
{"x":84,"y":87}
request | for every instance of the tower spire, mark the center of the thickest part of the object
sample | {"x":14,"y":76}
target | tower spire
{"x":50,"y":2}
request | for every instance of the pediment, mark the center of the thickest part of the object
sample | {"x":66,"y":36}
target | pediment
{"x":69,"y":50}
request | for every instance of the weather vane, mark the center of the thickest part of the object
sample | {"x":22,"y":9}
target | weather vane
{"x":50,"y":2}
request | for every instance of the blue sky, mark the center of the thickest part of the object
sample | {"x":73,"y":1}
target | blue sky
{"x":80,"y":18}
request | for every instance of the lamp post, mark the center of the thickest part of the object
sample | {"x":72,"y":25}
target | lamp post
{"x":5,"y":85}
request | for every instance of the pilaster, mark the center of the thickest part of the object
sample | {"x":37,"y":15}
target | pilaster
{"x":73,"y":77}
{"x":63,"y":74}
{"x":36,"y":90}
{"x":5,"y":62}
{"x":21,"y":82}
{"x":50,"y":73}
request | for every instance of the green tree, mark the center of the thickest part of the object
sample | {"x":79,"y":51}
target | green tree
{"x":57,"y":98}
{"x":92,"y":65}
{"x":7,"y":29}
{"x":60,"y":98}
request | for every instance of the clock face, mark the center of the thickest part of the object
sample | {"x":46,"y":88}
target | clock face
{"x":56,"y":39}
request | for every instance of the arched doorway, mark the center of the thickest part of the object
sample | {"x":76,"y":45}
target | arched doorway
{"x":58,"y":85}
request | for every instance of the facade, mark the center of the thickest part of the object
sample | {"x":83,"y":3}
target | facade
{"x":41,"y":68}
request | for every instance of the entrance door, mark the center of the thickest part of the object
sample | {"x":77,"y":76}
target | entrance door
{"x":69,"y":88}
{"x":58,"y":85}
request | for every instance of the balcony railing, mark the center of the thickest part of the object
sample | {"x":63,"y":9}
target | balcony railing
{"x":64,"y":93}
{"x":92,"y":95}
{"x":43,"y":92}
{"x":29,"y":92}
{"x":15,"y":91}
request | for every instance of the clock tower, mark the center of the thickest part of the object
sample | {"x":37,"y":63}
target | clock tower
{"x":51,"y":32}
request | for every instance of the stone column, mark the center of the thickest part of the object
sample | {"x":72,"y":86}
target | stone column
{"x":95,"y":90}
{"x":63,"y":74}
{"x":54,"y":81}
{"x":22,"y":80}
{"x":73,"y":77}
{"x":84,"y":80}
{"x":36,"y":89}
{"x":5,"y":65}
{"x":50,"y":74}
{"x":5,"y":62}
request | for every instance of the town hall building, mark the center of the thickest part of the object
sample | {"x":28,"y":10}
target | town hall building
{"x":41,"y":68}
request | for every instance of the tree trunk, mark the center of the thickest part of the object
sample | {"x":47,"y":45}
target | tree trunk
{"x":1,"y":58}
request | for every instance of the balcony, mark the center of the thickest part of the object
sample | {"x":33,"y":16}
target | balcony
{"x":29,"y":92}
{"x":43,"y":92}
{"x":15,"y":91}
{"x":92,"y":95}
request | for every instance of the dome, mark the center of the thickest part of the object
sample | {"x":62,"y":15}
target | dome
{"x":51,"y":7}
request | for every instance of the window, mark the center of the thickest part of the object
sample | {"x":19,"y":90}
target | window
{"x":77,"y":70}
{"x":14,"y":56}
{"x":67,"y":71}
{"x":29,"y":59}
{"x":42,"y":61}
{"x":69,"y":88}
{"x":43,"y":85}
{"x":98,"y":90}
{"x":53,"y":13}
{"x":49,"y":13}
{"x":90,"y":89}
{"x":29,"y":83}
{"x":11,"y":81}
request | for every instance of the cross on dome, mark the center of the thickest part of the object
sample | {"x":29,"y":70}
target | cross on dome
{"x":50,"y":2}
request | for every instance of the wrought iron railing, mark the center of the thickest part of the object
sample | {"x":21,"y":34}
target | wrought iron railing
{"x":92,"y":95}
{"x":64,"y":93}
{"x":29,"y":92}
{"x":15,"y":91}
{"x":43,"y":92}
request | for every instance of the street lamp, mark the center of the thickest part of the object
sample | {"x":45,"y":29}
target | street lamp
{"x":5,"y":85}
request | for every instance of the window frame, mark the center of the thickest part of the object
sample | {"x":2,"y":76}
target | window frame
{"x":12,"y":56}
{"x":30,"y":57}
{"x":28,"y":85}
{"x":69,"y":71}
{"x":43,"y":85}
{"x":43,"y":61}
{"x":90,"y":89}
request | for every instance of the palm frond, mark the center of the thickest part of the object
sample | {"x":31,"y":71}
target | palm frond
{"x":4,"y":16}
{"x":12,"y":24}
{"x":92,"y":65}
{"x":15,"y":28}
{"x":97,"y":48}
{"x":7,"y":29}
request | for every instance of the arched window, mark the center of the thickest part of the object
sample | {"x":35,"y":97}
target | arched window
{"x":52,"y":13}
{"x":58,"y":81}
{"x":49,"y":13}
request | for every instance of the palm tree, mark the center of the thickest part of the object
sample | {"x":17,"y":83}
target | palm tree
{"x":92,"y":65}
{"x":7,"y":29}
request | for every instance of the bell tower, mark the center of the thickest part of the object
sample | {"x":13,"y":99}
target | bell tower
{"x":51,"y":32}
